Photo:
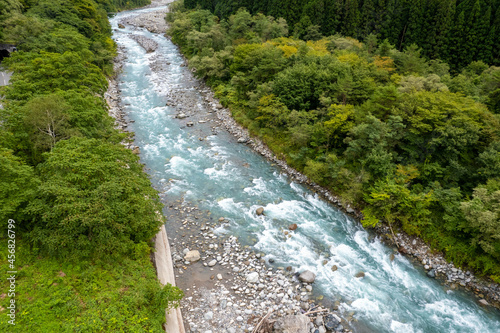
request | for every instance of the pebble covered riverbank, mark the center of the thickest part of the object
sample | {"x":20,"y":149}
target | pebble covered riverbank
{"x":230,"y":288}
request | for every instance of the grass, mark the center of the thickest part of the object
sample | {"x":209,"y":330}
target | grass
{"x":53,"y":295}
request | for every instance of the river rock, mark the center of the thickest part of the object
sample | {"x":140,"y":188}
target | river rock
{"x":334,"y":268}
{"x":192,"y":256}
{"x":121,"y":26}
{"x":253,"y":277}
{"x":307,"y":276}
{"x":259,"y":211}
{"x":292,"y":227}
{"x":360,"y":274}
{"x":292,"y":324}
{"x":431,"y":273}
{"x":349,"y":210}
{"x":484,"y":302}
{"x":181,"y":116}
{"x":190,"y":124}
{"x":212,"y":263}
{"x":331,"y":321}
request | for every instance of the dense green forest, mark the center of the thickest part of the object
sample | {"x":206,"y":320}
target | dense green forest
{"x":456,"y":31}
{"x":84,"y":210}
{"x":387,"y":130}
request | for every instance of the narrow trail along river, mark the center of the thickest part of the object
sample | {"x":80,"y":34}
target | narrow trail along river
{"x":218,"y":174}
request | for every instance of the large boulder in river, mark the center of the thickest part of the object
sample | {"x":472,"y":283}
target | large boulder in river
{"x":292,"y":324}
{"x":307,"y":276}
{"x":259,"y":211}
{"x":192,"y":256}
{"x":292,"y":227}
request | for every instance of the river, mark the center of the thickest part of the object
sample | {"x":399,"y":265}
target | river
{"x":218,"y":174}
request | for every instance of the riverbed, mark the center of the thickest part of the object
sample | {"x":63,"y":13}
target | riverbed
{"x":212,"y":183}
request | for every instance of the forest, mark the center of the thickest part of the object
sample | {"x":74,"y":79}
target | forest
{"x":402,"y":136}
{"x":455,"y":31}
{"x":84,"y":210}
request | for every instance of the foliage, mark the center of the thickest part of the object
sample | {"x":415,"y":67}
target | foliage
{"x":45,"y":72}
{"x":81,"y":202}
{"x":458,"y":32}
{"x":17,"y":187}
{"x":483,"y":214}
{"x":93,"y":200}
{"x":392,"y":200}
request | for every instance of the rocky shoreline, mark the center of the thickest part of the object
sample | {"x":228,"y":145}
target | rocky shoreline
{"x":229,"y":300}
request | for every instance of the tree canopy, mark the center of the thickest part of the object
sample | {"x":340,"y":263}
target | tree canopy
{"x":456,"y":31}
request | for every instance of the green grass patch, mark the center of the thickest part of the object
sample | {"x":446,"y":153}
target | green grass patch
{"x":53,"y":295}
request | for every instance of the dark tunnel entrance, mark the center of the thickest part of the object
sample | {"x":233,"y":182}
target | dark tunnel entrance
{"x":4,"y":54}
{"x":6,"y":50}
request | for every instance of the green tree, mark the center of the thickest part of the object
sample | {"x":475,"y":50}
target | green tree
{"x":394,"y":201}
{"x":371,"y":144}
{"x":411,"y":61}
{"x":272,"y":112}
{"x":8,"y":8}
{"x":36,"y":74}
{"x":47,"y":119}
{"x":482,"y":212}
{"x":94,"y":200}
{"x":17,"y":187}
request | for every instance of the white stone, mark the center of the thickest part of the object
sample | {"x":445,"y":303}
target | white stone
{"x":192,"y":256}
{"x":307,"y":276}
{"x":253,"y":277}
{"x":209,"y":315}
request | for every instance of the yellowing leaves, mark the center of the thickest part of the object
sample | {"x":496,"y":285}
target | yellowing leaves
{"x":288,"y":50}
{"x":350,"y":58}
{"x":384,"y":63}
{"x":318,"y":48}
{"x":340,"y":118}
